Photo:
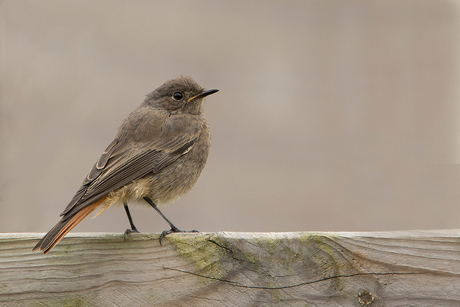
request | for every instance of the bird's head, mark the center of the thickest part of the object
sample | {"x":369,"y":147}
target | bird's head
{"x":181,"y":95}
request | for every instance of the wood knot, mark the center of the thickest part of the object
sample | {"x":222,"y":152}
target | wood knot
{"x":365,"y":298}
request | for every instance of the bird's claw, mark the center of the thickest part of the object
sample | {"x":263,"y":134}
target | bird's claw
{"x":128,"y":231}
{"x":173,"y":229}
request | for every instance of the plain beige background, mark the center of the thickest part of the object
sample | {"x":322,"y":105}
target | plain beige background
{"x":331,"y":115}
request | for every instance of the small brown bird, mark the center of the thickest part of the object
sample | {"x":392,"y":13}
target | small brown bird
{"x":157,"y":156}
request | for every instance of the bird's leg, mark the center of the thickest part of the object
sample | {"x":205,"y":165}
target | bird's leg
{"x":173,"y":228}
{"x":133,"y":228}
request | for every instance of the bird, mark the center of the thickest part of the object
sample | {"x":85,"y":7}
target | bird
{"x":157,"y":155}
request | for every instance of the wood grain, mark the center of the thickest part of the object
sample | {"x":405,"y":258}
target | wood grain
{"x":412,"y":268}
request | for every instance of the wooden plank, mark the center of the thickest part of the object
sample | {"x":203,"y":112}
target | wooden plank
{"x":412,"y":268}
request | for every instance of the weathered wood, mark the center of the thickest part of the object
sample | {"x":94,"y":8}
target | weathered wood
{"x":413,"y":268}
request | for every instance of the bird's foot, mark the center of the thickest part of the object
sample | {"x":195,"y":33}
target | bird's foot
{"x":173,"y":229}
{"x":128,"y":231}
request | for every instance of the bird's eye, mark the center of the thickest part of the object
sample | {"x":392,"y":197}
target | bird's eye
{"x":178,"y":96}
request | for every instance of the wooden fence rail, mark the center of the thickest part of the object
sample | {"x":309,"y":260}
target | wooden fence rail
{"x":410,"y":268}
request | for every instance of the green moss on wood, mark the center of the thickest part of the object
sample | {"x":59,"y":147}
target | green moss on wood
{"x":206,"y":256}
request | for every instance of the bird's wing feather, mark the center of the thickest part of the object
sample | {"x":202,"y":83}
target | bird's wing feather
{"x":122,"y":163}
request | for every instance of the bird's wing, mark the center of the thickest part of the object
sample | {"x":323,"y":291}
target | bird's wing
{"x":121,"y":163}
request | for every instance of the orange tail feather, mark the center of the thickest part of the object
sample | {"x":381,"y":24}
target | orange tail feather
{"x":63,"y":227}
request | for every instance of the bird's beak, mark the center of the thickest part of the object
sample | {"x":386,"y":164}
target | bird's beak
{"x":203,"y":94}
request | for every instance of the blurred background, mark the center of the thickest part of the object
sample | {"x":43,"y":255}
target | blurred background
{"x":331,"y":115}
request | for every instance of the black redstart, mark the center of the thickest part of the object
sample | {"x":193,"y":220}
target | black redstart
{"x":157,"y":156}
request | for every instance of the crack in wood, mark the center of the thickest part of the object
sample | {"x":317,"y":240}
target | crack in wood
{"x":236,"y":284}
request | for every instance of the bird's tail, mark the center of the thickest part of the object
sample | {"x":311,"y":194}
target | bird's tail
{"x":65,"y":225}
